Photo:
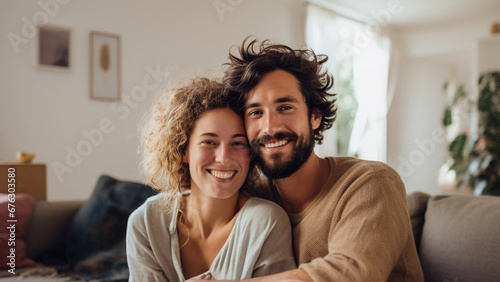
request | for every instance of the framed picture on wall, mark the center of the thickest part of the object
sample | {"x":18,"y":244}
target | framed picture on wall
{"x":54,"y":48}
{"x":105,"y":66}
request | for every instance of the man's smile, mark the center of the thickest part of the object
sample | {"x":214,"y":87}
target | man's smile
{"x":275,"y":144}
{"x":280,"y":139}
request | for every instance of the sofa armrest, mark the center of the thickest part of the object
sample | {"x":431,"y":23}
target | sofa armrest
{"x":47,"y":224}
{"x":417,"y":206}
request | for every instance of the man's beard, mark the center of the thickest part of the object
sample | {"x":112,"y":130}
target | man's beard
{"x":279,"y":167}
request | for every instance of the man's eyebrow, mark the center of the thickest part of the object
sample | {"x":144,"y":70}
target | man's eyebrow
{"x":253,"y":105}
{"x":280,"y":100}
{"x":286,"y":99}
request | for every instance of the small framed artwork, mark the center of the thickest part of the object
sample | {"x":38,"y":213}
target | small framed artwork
{"x":54,"y":48}
{"x":105,"y":66}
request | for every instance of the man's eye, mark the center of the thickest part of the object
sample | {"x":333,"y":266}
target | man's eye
{"x":254,"y":113}
{"x":285,"y":107}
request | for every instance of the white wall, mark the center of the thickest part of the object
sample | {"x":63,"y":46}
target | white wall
{"x":431,"y":55}
{"x":46,"y":112}
{"x":416,"y":143}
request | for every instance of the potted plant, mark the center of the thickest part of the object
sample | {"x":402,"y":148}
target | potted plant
{"x":484,"y":167}
{"x":477,"y":166}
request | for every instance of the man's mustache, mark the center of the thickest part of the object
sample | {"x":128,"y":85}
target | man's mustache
{"x":277,"y":136}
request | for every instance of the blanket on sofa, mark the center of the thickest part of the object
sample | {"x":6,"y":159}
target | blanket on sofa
{"x":95,"y":243}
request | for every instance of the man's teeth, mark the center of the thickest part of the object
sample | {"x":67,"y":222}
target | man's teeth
{"x":222,"y":174}
{"x":276,"y":144}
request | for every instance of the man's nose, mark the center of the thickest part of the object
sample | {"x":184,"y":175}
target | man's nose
{"x":271,"y":123}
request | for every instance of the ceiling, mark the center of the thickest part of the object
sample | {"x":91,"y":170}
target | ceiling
{"x":418,"y":13}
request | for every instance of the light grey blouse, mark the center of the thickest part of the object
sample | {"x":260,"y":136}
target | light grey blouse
{"x":259,"y":244}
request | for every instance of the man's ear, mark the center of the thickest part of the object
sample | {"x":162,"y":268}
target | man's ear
{"x":316,"y":117}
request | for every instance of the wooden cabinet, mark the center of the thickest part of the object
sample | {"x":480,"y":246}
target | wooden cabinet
{"x":29,"y":178}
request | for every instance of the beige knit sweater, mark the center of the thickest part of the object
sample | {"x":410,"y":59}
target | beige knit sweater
{"x":358,"y":227}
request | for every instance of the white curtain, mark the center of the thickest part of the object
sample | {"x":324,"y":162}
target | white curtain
{"x":371,"y":68}
{"x":371,"y":63}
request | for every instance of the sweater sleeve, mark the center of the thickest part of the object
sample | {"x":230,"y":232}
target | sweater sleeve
{"x":276,"y":254}
{"x":141,"y":260}
{"x":369,"y":230}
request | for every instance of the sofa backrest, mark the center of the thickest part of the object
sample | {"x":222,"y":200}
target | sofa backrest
{"x":47,"y":224}
{"x":460,"y":238}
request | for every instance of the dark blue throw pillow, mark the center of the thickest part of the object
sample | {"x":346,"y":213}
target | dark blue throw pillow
{"x":95,"y":243}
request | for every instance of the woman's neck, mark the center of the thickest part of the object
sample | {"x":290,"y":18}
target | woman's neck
{"x":206,"y":214}
{"x":204,"y":228}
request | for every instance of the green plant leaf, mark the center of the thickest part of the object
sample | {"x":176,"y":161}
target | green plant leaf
{"x":445,"y":86}
{"x":447,"y":119}
{"x":457,"y":146}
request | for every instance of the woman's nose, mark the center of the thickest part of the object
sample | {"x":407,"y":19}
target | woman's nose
{"x":223,"y":154}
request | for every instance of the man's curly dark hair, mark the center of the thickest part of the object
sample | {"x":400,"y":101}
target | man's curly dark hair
{"x":254,"y":59}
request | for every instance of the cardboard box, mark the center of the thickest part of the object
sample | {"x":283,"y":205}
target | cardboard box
{"x":29,"y":178}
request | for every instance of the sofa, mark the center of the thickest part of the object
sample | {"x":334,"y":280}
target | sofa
{"x":71,"y":240}
{"x":45,"y":232}
{"x":457,"y":236}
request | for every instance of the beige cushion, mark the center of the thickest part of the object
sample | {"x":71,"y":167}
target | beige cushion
{"x":461,"y":239}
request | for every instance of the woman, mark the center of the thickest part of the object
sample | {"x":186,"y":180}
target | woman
{"x":203,"y":225}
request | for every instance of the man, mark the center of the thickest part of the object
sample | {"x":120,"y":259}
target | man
{"x":349,"y":216}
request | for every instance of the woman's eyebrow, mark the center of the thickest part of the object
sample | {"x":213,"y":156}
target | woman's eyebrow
{"x":240,"y":135}
{"x":209,"y":134}
{"x":237,"y":135}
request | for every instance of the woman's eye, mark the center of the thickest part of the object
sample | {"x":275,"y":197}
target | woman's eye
{"x":240,"y":144}
{"x":208,"y":142}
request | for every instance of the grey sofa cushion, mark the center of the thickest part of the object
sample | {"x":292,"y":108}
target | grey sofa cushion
{"x":48,"y":222}
{"x":461,"y":239}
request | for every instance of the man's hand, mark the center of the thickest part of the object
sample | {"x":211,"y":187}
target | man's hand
{"x":287,"y":276}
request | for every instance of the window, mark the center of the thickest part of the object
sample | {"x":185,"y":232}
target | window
{"x":359,"y":62}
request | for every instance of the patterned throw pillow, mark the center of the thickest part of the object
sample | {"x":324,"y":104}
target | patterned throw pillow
{"x":95,"y":243}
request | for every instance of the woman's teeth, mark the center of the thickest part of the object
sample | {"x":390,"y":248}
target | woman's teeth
{"x":222,"y":174}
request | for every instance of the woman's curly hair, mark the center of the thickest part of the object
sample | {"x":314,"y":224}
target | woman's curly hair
{"x":167,"y":131}
{"x":254,"y":60}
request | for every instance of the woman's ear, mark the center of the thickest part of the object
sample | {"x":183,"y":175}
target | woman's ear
{"x":316,"y":117}
{"x":185,"y":157}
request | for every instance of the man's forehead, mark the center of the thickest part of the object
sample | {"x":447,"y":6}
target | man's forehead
{"x":258,"y":99}
{"x":277,"y":86}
